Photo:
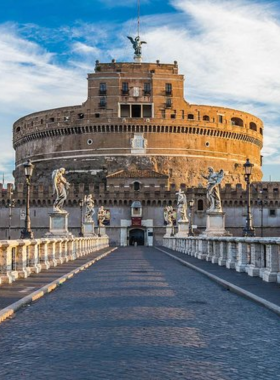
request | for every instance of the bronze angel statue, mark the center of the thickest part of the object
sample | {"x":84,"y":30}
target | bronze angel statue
{"x":137,"y":45}
{"x":60,"y":187}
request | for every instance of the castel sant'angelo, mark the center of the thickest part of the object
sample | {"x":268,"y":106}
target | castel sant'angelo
{"x":136,"y":139}
{"x":136,"y":118}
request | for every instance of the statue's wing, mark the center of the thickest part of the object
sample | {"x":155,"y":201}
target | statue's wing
{"x":54,"y":181}
{"x":143,"y":42}
{"x":220,"y":176}
{"x":131,"y":39}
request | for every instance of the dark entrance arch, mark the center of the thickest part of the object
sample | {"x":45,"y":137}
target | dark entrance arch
{"x":136,"y":236}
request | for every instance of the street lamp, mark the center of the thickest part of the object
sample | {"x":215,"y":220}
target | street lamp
{"x":81,"y":204}
{"x":27,"y":233}
{"x":248,"y":230}
{"x":191,"y":204}
{"x":260,"y":202}
{"x":11,"y":205}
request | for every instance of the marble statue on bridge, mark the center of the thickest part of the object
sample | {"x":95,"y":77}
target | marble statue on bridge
{"x":60,"y":187}
{"x":182,"y":206}
{"x":89,"y":202}
{"x":213,"y":191}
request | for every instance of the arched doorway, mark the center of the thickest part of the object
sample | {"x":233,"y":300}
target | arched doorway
{"x":136,"y":236}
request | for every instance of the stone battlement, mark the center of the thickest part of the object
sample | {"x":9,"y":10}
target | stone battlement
{"x":150,"y":195}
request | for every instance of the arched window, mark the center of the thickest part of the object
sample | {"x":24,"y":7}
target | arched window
{"x":206,"y":118}
{"x":190,"y":116}
{"x":253,"y":126}
{"x":136,"y":186}
{"x":237,"y":121}
{"x":200,"y":205}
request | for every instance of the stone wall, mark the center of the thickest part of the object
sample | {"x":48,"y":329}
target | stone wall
{"x":181,"y":140}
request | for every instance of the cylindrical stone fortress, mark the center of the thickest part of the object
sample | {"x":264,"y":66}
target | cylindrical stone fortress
{"x":136,"y":117}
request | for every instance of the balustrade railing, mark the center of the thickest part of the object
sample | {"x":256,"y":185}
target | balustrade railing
{"x":255,"y":256}
{"x":20,"y":258}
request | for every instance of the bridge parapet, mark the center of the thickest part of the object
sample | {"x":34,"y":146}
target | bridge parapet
{"x":258,"y":257}
{"x":20,"y":258}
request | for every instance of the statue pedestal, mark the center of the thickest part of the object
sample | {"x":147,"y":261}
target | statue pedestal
{"x":215,"y":224}
{"x":183,"y":229}
{"x":59,"y":225}
{"x":102,"y":231}
{"x":88,"y":229}
{"x":137,"y":59}
{"x":169,"y":232}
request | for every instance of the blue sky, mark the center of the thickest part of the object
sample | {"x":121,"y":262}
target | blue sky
{"x":228,"y":50}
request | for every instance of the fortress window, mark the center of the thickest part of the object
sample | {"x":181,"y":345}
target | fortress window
{"x":220,"y":119}
{"x":206,"y":118}
{"x":102,"y":89}
{"x":183,"y":114}
{"x":253,"y":126}
{"x":89,"y":142}
{"x":42,"y":121}
{"x":147,"y":89}
{"x":200,"y":205}
{"x":136,"y":186}
{"x":125,"y":110}
{"x":237,"y":121}
{"x":261,"y":131}
{"x":102,"y":103}
{"x":272,"y":212}
{"x":97,"y":115}
{"x":190,"y":116}
{"x":18,"y":129}
{"x":168,"y":103}
{"x":125,"y":89}
{"x":81,"y":115}
{"x":207,"y":144}
{"x":136,"y":110}
{"x":147,"y":110}
{"x":51,"y":119}
{"x":173,"y":116}
{"x":168,"y":89}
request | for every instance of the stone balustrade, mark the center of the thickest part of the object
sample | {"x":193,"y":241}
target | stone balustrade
{"x":255,"y":256}
{"x":20,"y":258}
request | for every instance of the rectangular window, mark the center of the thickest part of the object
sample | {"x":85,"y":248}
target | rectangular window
{"x":272,"y":212}
{"x":220,"y":119}
{"x":147,"y":89}
{"x":102,"y":103}
{"x":102,"y":89}
{"x":125,"y":110}
{"x":136,"y":110}
{"x":168,"y":103}
{"x":168,"y":89}
{"x":183,"y":114}
{"x":147,"y":110}
{"x":125,"y":88}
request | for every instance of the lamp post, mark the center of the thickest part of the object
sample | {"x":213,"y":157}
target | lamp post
{"x":260,"y":202}
{"x":248,"y":230}
{"x":11,"y":205}
{"x":191,"y":204}
{"x":27,"y":233}
{"x":81,"y":204}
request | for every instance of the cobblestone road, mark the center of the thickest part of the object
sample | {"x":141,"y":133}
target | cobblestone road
{"x":138,"y":314}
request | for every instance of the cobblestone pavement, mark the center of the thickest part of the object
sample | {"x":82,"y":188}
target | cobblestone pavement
{"x":138,"y":314}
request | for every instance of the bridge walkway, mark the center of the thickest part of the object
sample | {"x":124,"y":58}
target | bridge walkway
{"x":139,"y":314}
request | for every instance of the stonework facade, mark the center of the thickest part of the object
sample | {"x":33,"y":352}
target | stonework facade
{"x":136,"y":140}
{"x":136,"y":117}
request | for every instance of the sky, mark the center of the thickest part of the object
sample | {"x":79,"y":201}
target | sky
{"x":228,"y":50}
